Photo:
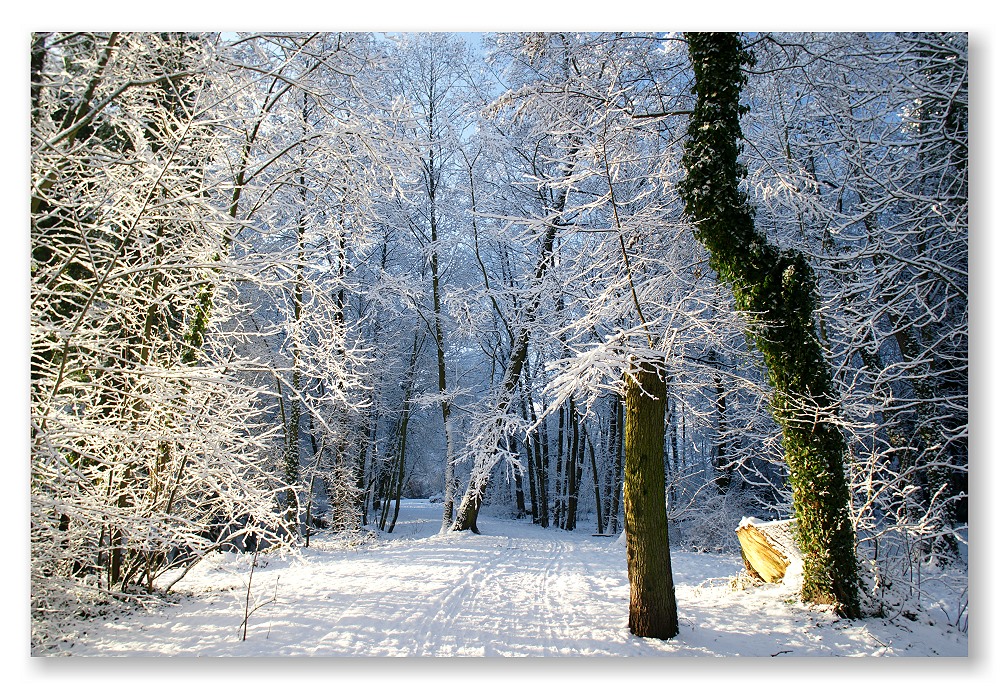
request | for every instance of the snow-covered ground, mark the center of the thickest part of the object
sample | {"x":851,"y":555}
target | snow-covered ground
{"x":516,"y":590}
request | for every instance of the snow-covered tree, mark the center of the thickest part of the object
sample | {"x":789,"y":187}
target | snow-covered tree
{"x":146,"y":452}
{"x":858,"y":150}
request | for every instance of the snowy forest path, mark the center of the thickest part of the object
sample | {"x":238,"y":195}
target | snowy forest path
{"x":517,"y":593}
{"x":515,"y":590}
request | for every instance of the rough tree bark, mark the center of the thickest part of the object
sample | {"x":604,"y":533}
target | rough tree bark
{"x":775,"y":290}
{"x":652,"y":603}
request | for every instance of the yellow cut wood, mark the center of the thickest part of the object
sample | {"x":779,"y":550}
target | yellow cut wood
{"x":761,"y":555}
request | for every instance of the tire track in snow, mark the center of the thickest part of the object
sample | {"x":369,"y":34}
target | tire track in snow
{"x":523,"y":598}
{"x":410,"y":600}
{"x":439,"y":633}
{"x":482,"y":595}
{"x":482,"y":610}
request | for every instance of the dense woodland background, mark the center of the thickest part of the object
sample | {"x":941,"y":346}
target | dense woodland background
{"x":281,"y":280}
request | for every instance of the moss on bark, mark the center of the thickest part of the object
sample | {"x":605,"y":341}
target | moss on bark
{"x":776,"y":291}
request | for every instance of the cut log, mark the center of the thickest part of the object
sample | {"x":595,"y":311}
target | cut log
{"x":768,"y":548}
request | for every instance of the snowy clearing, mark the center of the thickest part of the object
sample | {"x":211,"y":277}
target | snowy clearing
{"x":516,"y":590}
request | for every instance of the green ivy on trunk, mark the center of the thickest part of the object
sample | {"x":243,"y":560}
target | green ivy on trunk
{"x":776,"y":291}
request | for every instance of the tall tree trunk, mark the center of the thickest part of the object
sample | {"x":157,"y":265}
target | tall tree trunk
{"x":400,"y":472}
{"x":538,"y":455}
{"x":720,"y":462}
{"x":518,"y":482}
{"x":578,"y":479}
{"x":532,"y":479}
{"x":560,"y":512}
{"x":291,"y":456}
{"x":652,"y":603}
{"x":542,"y":462}
{"x":364,"y":479}
{"x":572,"y":464}
{"x":617,"y":424}
{"x":597,"y":483}
{"x":675,"y":465}
{"x":776,"y":292}
{"x":366,"y":441}
{"x":450,"y":482}
{"x":399,"y":467}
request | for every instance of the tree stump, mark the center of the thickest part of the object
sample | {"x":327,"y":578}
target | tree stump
{"x":768,"y":548}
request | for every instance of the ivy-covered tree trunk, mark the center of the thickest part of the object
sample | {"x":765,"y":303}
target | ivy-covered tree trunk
{"x":775,"y":290}
{"x":652,"y":603}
